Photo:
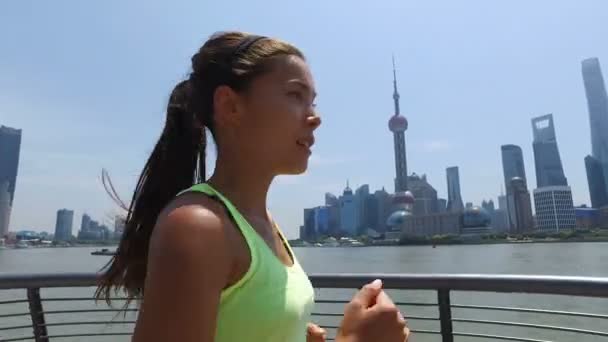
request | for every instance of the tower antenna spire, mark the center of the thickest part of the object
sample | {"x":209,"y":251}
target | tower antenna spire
{"x":395,"y":91}
{"x":394,"y":71}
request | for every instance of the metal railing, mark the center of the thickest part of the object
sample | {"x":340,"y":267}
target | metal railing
{"x":25,"y":289}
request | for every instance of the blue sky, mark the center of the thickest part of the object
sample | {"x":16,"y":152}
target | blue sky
{"x":88,"y":83}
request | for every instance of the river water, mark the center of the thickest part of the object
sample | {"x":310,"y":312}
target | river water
{"x":576,"y":259}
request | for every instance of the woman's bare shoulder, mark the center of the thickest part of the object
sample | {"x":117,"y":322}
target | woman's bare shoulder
{"x":189,"y":223}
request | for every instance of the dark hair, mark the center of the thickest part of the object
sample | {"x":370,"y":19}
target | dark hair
{"x":178,"y":159}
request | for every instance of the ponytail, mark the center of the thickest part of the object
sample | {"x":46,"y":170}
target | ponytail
{"x":176,"y":163}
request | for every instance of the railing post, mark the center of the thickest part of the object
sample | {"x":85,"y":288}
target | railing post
{"x":445,"y":315}
{"x":37,"y":315}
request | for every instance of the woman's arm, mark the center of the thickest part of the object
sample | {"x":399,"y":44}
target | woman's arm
{"x":188,"y":266}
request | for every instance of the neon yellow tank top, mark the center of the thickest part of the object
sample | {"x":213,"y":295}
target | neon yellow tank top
{"x":272,"y":302}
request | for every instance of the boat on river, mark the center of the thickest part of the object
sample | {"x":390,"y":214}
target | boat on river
{"x":22,"y":244}
{"x":104,"y":251}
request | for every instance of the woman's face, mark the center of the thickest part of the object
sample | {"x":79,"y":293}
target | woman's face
{"x":275,"y":119}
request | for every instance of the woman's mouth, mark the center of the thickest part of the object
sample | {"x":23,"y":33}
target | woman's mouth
{"x":306,"y":143}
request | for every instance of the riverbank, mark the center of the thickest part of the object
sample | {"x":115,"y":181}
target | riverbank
{"x":476,"y":241}
{"x":37,"y":244}
{"x":597,"y":235}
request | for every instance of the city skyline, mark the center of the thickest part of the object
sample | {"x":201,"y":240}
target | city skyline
{"x":468,"y":86}
{"x":547,"y":162}
{"x":415,"y":204}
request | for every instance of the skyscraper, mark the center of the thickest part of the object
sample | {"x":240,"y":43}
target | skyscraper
{"x":63,"y":226}
{"x":384,"y":209}
{"x":398,"y":125}
{"x":10,"y":147}
{"x":513,"y":167}
{"x":372,"y":213}
{"x":549,"y":170}
{"x":425,"y":195}
{"x":520,"y":206}
{"x":512,"y":164}
{"x":360,"y":202}
{"x":321,"y":221}
{"x":455,"y":203}
{"x":488,"y":206}
{"x":597,"y":184}
{"x":554,"y":209}
{"x":332,"y":202}
{"x":348,"y":212}
{"x":5,"y":208}
{"x":597,"y":104}
{"x":552,"y":197}
{"x":85,"y":223}
{"x":500,"y":219}
{"x":502,"y":202}
{"x":309,"y":225}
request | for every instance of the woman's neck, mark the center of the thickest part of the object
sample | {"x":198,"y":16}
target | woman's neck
{"x":243,"y":186}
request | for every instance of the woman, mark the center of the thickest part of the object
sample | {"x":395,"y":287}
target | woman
{"x":214,"y":265}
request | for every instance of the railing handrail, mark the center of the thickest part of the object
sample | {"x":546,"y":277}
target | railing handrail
{"x":558,"y":285}
{"x":540,"y":284}
{"x":442,"y":284}
{"x":47,"y":280}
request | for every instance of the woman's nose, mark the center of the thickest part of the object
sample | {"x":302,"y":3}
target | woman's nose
{"x":314,"y":121}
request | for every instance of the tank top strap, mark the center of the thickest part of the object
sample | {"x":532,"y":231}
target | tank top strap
{"x":248,"y":232}
{"x":284,"y":240}
{"x":250,"y":235}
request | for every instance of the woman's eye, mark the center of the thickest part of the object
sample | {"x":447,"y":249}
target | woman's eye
{"x":296,"y":95}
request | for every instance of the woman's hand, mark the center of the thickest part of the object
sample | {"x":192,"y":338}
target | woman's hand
{"x":315,"y":333}
{"x":372,"y":316}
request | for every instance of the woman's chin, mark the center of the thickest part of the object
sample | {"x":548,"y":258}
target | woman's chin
{"x":295,"y":169}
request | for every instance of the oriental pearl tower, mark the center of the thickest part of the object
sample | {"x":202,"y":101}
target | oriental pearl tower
{"x":398,"y":125}
{"x":403,"y":200}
